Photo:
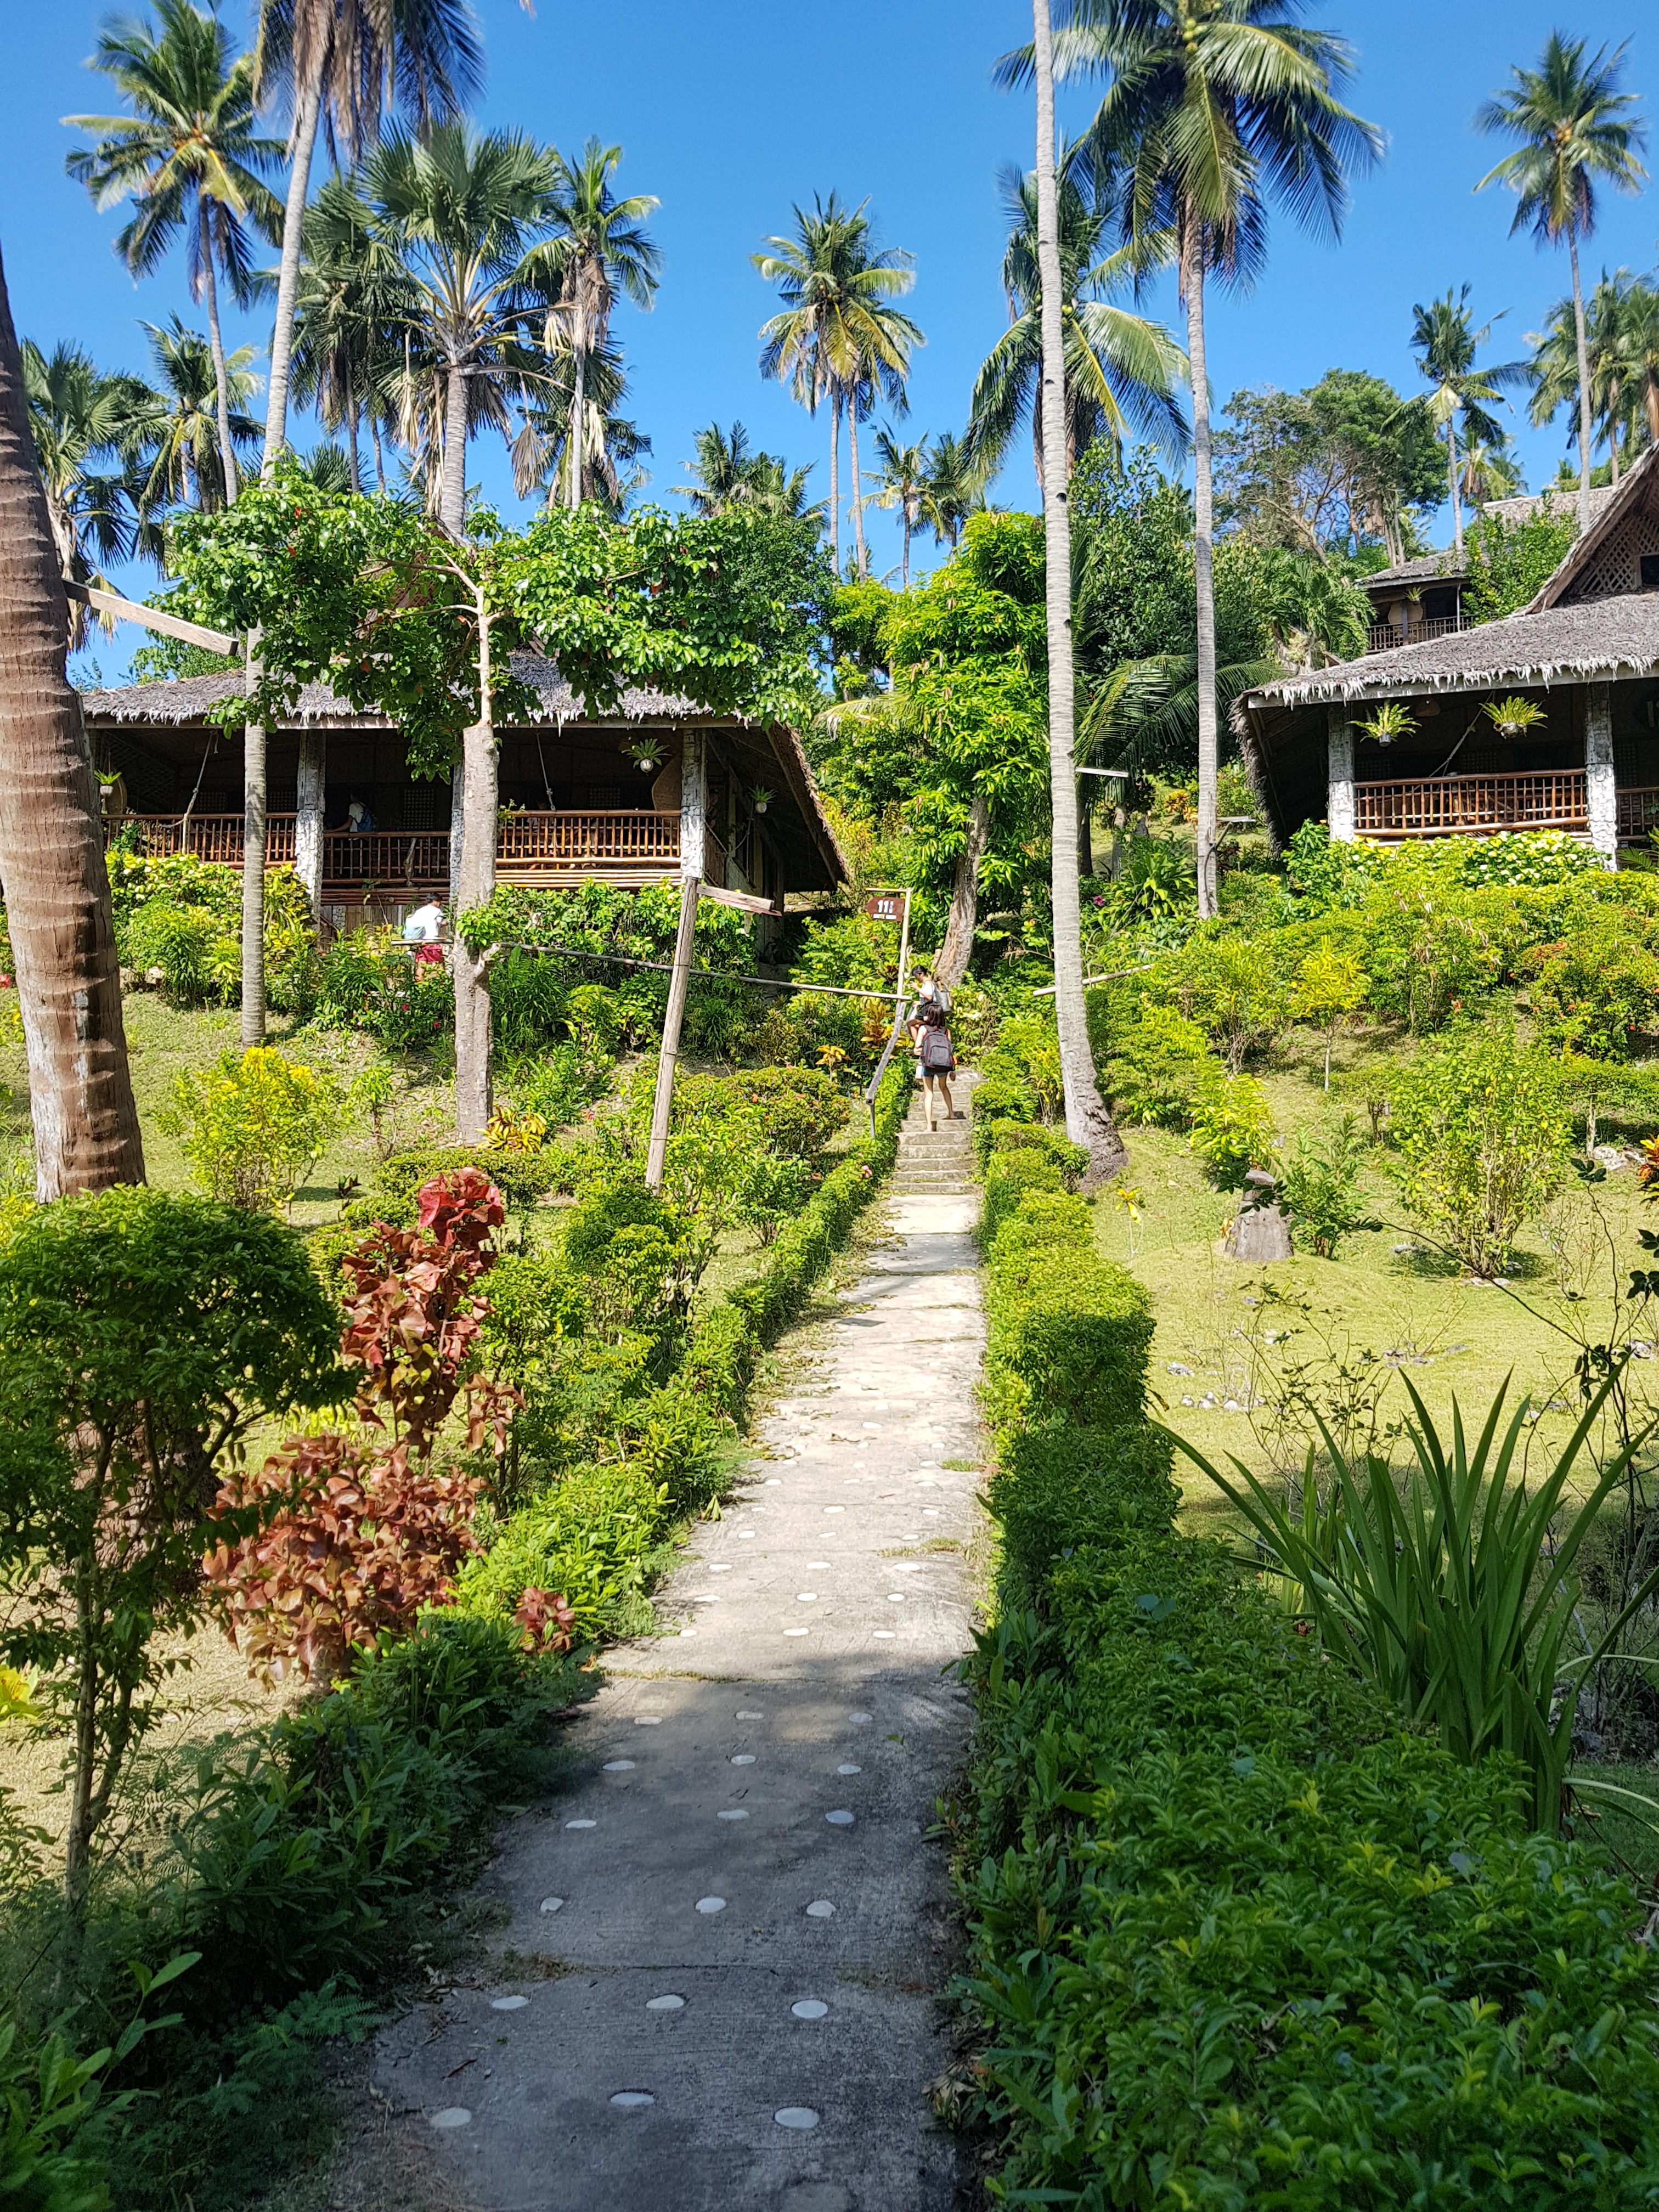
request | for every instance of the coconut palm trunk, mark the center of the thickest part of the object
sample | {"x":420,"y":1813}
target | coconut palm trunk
{"x":476,"y":887}
{"x":51,"y":844}
{"x":216,"y":347}
{"x":1581,"y":340}
{"x":856,"y":499}
{"x":1087,"y":1122}
{"x":288,"y":275}
{"x":574,"y":439}
{"x":452,"y":492}
{"x":1456,"y":493}
{"x":1192,"y":285}
{"x":835,"y":479}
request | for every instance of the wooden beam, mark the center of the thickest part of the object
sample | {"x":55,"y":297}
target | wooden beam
{"x":109,"y":603}
{"x":744,"y":901}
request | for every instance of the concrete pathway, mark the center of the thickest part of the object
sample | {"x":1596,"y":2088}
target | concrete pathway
{"x":716,"y":1989}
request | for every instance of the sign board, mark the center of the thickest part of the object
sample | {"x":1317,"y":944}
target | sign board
{"x":885,"y":906}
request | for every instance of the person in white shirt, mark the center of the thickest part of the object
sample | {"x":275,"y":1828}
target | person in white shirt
{"x":424,"y":929}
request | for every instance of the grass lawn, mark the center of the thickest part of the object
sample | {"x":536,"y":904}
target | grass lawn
{"x":1242,"y":1355}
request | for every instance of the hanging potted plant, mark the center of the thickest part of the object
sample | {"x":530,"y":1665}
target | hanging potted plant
{"x":1391,"y":720}
{"x":1514,"y":718}
{"x":762,"y":799}
{"x":646,"y":754}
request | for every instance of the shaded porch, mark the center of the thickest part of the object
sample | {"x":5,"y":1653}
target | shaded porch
{"x":1404,"y":807}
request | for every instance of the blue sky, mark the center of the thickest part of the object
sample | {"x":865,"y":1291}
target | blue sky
{"x":730,"y":110}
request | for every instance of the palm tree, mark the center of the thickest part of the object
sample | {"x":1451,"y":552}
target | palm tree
{"x":903,"y":484}
{"x":838,"y":336}
{"x":954,"y":489}
{"x":85,"y":427}
{"x":600,"y":247}
{"x":336,"y":62}
{"x":729,"y":475}
{"x":1621,"y":337}
{"x":1445,"y":341}
{"x":178,"y":431}
{"x":190,"y":158}
{"x":1489,"y":471}
{"x":1213,"y":106}
{"x":51,"y":856}
{"x":466,"y":211}
{"x":542,"y":454}
{"x":1121,"y":371}
{"x":354,"y":304}
{"x":1575,"y":126}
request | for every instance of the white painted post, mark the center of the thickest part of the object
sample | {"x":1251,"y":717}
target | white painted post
{"x":1601,"y":787}
{"x":1340,"y":799}
{"x":457,"y":832}
{"x":308,"y":817}
{"x":694,"y":807}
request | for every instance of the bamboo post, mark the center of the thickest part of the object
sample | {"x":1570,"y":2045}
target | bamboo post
{"x":680,"y":980}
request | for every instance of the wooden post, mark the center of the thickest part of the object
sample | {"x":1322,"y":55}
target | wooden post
{"x":678,"y":983}
{"x":1339,"y":795}
{"x":1600,"y":779}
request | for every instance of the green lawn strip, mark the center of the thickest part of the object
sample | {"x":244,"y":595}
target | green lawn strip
{"x":1238,"y":1939}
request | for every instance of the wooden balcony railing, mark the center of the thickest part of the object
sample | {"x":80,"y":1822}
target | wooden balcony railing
{"x":535,"y":848}
{"x":1444,"y":805}
{"x":1638,"y":813}
{"x":1383,"y":637}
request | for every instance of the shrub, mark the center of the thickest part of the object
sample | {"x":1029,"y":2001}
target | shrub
{"x":1158,"y":1069}
{"x":1427,"y":952}
{"x":200,"y":963}
{"x":1484,"y":1140}
{"x":1329,"y":874}
{"x":254,"y":1124}
{"x":1236,"y":990}
{"x":140,"y":1336}
{"x":353,"y":1535}
{"x":1328,"y":987}
{"x":185,"y":916}
{"x":1232,"y":1125}
{"x":1524,"y":856}
{"x":1319,"y":1184}
{"x":1056,"y":1489}
{"x":1596,"y":992}
{"x":1020,"y":1076}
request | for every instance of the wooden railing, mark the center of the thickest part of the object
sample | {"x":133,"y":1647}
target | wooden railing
{"x":1382,"y":637}
{"x":1638,"y":812}
{"x":530,"y":847}
{"x":1444,"y":805}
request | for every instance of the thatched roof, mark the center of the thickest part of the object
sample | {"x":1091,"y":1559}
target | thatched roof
{"x":188,"y":699}
{"x":1561,"y":499}
{"x":1411,"y":575}
{"x":1595,"y":640}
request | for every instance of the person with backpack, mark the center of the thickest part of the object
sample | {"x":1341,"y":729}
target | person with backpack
{"x":930,"y":1034}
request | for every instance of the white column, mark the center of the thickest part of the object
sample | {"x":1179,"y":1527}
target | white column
{"x":694,"y":806}
{"x":308,"y":817}
{"x":1601,"y":784}
{"x":1338,"y":750}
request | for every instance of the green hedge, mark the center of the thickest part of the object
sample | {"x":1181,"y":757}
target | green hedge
{"x":591,"y":1536}
{"x":1238,"y":1939}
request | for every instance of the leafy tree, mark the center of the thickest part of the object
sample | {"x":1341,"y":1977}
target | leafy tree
{"x":141,"y":1337}
{"x":1121,"y":371}
{"x":957,"y":742}
{"x":1319,"y":1183}
{"x":191,"y":157}
{"x":1235,"y":989}
{"x":1574,"y":127}
{"x":1446,"y":342}
{"x":1329,"y":987}
{"x":1340,"y":467}
{"x":1509,"y":561}
{"x":1209,"y":110}
{"x":838,"y":336}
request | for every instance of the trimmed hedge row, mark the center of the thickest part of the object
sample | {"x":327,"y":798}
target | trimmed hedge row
{"x":591,"y":1537}
{"x":1239,"y":1939}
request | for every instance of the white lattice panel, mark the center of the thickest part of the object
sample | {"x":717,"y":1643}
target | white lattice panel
{"x":1615,"y":565}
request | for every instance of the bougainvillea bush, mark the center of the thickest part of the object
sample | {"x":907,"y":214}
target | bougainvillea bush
{"x":343,"y":1535}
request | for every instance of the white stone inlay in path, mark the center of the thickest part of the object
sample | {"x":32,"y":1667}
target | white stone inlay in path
{"x":633,"y":2101}
{"x":711,"y":1905}
{"x":820,"y":1909}
{"x":619,"y":1766}
{"x":508,"y":2004}
{"x":842,"y":1819}
{"x":810,"y":2009}
{"x":453,"y":2116}
{"x":665,"y":2004}
{"x":796,"y":2116}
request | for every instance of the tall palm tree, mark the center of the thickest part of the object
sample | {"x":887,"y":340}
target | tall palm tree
{"x":838,"y":335}
{"x":903,"y":484}
{"x":600,"y":247}
{"x":85,"y":427}
{"x":191,"y":157}
{"x":338,"y":63}
{"x":355,"y":303}
{"x":955,"y":490}
{"x":467,"y":212}
{"x":1620,"y":335}
{"x":1489,"y":471}
{"x":52,"y":844}
{"x":544,"y":451}
{"x":1446,"y":342}
{"x":1213,"y":106}
{"x":1087,"y":1121}
{"x":1574,"y":127}
{"x":1121,"y":371}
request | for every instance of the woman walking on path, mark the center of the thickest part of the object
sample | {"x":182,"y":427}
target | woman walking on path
{"x":931,"y":1039}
